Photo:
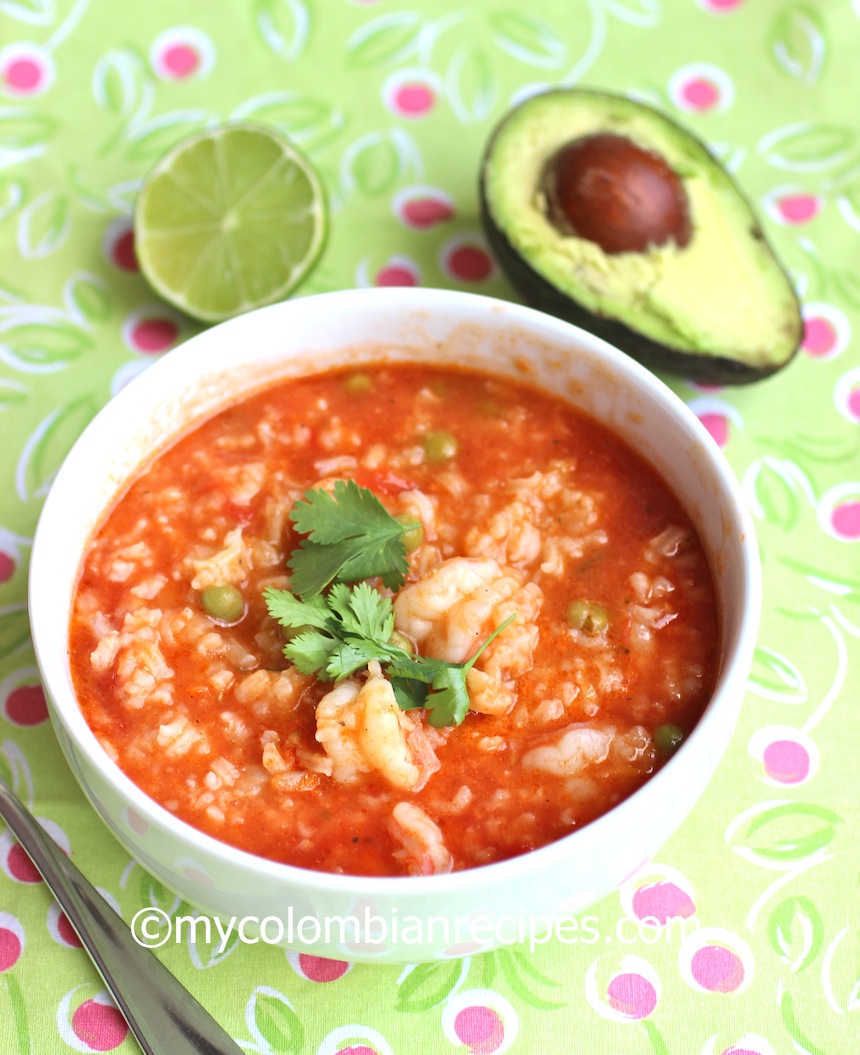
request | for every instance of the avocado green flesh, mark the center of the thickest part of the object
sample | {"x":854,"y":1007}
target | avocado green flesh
{"x":723,"y":297}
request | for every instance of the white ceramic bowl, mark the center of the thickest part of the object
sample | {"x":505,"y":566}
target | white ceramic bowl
{"x":304,"y":336}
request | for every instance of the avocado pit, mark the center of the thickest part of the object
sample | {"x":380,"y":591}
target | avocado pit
{"x":607,"y":213}
{"x":608,"y":190}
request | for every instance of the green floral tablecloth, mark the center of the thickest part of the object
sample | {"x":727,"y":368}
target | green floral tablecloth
{"x":393,"y":101}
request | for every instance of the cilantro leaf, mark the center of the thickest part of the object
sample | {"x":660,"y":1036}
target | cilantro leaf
{"x":292,"y":613}
{"x":313,"y":567}
{"x":311,"y":650}
{"x":409,"y":693}
{"x":448,"y":704}
{"x":351,"y":655}
{"x":416,"y":668}
{"x":339,"y":601}
{"x":347,"y":511}
{"x":375,"y":615}
{"x":385,"y":558}
{"x":350,"y":536}
{"x":342,"y":631}
{"x":369,"y":613}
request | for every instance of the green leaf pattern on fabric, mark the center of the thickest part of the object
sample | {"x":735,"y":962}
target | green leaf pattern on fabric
{"x":798,"y":42}
{"x":786,"y":832}
{"x":796,"y":932}
{"x":276,"y":1022}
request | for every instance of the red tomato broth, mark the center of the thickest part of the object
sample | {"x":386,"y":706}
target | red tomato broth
{"x":189,"y":498}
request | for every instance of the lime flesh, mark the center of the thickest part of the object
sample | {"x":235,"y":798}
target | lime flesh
{"x":229,"y":220}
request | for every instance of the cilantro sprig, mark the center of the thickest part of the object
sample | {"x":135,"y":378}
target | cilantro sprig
{"x":438,"y":686}
{"x":350,"y":536}
{"x":338,"y":633}
{"x":342,"y":631}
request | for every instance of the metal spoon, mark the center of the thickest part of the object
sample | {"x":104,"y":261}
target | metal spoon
{"x":161,"y":1014}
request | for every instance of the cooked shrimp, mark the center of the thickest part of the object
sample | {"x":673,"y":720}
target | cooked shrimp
{"x":547,"y":523}
{"x":455,"y":606}
{"x":424,"y":609}
{"x":424,"y":851}
{"x":571,"y":749}
{"x":362,"y":729}
{"x":488,"y":695}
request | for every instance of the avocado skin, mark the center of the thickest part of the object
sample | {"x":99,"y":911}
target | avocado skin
{"x":540,"y":293}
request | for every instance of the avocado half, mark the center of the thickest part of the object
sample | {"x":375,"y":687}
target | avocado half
{"x":707,"y":299}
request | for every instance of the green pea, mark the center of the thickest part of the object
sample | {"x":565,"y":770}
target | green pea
{"x":668,"y":738}
{"x":290,"y":632}
{"x":224,"y":603}
{"x":358,"y":384}
{"x":440,"y":446}
{"x":412,"y":538}
{"x":398,"y":640}
{"x":590,"y":618}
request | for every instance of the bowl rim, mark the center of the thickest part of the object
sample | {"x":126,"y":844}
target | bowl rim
{"x":720,"y":712}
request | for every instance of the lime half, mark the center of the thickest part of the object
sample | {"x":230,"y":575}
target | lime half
{"x":229,"y":220}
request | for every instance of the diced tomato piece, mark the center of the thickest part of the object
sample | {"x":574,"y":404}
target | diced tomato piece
{"x":383,"y":483}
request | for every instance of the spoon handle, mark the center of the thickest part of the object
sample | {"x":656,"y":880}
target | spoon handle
{"x":160,"y":1012}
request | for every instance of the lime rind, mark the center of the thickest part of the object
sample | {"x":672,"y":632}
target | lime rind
{"x":222,"y":227}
